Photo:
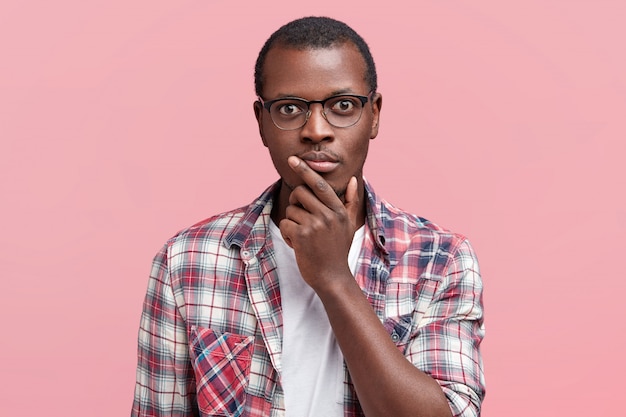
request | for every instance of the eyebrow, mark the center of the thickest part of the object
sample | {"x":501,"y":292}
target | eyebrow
{"x":332,"y":94}
{"x":341,"y":91}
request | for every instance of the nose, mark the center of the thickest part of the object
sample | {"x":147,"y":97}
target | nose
{"x":317,"y":128}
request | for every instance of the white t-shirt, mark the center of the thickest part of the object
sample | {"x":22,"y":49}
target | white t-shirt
{"x":312,"y":363}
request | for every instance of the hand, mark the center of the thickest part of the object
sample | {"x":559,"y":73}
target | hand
{"x":319,"y":226}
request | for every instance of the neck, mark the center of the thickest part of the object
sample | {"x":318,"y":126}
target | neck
{"x":281,"y":201}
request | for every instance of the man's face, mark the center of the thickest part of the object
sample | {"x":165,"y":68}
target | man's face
{"x":335,"y":153}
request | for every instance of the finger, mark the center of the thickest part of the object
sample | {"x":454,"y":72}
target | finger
{"x":287,"y":227}
{"x":316,"y":183}
{"x":296,"y":214}
{"x":303,"y":197}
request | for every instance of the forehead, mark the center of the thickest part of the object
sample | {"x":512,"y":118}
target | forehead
{"x":314,"y":73}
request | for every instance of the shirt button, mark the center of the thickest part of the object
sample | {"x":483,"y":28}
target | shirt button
{"x":395,"y":337}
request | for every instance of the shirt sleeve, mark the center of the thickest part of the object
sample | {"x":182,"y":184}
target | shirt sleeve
{"x":447,"y":343}
{"x":165,"y":384}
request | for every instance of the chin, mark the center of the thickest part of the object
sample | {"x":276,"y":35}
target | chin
{"x":340,"y":192}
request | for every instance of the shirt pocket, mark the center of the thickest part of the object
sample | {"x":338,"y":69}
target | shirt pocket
{"x":221,"y":363}
{"x":405,"y":306}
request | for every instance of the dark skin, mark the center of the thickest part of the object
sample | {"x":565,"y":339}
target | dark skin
{"x":319,"y":225}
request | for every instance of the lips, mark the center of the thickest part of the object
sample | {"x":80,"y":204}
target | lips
{"x":320,"y":161}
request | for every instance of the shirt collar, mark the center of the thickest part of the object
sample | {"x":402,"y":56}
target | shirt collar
{"x":252,"y":228}
{"x":375,"y":212}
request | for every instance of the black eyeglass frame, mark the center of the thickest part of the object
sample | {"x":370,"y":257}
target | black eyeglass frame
{"x":268,"y":104}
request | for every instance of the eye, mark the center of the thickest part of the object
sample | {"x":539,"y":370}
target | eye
{"x":289,"y":108}
{"x":344,"y":105}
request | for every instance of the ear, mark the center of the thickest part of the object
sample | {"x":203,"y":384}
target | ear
{"x":258,"y":114}
{"x":377,"y":104}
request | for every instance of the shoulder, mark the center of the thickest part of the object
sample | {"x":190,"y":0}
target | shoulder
{"x":227,"y":228}
{"x":206,"y":236}
{"x":402,"y":224}
{"x":211,"y":227}
{"x":413,"y":224}
{"x":409,"y":236}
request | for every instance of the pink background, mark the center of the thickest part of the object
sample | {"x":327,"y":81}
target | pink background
{"x":124,"y":121}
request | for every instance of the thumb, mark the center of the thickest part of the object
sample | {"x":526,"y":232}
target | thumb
{"x":352,"y":204}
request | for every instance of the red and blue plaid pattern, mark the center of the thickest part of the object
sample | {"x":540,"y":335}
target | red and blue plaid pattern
{"x":211,"y":330}
{"x":221,"y":364}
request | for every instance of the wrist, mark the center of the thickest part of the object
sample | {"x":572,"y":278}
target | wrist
{"x":336,"y":286}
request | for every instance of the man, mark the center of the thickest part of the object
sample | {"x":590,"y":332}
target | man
{"x":319,"y":298}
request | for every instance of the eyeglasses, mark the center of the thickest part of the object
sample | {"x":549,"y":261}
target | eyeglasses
{"x":292,"y":113}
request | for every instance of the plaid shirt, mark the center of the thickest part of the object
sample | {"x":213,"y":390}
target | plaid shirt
{"x":211,"y":330}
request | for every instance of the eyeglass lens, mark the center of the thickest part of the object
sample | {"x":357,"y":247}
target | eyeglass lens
{"x":339,"y":111}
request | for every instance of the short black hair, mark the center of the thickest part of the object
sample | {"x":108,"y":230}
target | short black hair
{"x":315,"y":32}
